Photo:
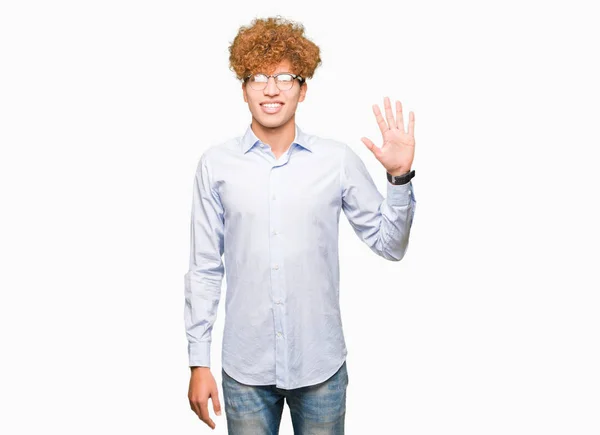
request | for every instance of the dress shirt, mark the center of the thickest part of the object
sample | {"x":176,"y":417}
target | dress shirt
{"x":276,"y":220}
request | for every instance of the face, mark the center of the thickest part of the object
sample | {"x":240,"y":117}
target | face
{"x":288,"y":100}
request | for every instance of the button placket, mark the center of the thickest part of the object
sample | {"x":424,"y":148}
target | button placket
{"x":276,"y":274}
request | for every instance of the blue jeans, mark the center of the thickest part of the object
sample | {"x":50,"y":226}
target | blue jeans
{"x":315,"y":410}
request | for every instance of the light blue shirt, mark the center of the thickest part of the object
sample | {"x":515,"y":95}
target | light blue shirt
{"x":276,"y":221}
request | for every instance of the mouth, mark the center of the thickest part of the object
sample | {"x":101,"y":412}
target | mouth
{"x":271,"y":107}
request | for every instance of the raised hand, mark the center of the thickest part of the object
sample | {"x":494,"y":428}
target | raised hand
{"x":398,"y":149}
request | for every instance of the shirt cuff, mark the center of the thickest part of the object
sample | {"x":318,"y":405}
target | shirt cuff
{"x":199,"y":354}
{"x":400,"y":194}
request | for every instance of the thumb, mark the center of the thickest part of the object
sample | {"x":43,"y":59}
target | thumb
{"x":372,"y":147}
{"x":215,"y":401}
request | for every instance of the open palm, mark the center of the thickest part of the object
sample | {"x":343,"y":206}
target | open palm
{"x":398,"y":149}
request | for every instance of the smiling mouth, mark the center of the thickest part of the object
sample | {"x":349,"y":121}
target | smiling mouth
{"x":271,"y":107}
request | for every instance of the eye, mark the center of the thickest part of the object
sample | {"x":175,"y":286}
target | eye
{"x":259,"y":78}
{"x":285,"y":78}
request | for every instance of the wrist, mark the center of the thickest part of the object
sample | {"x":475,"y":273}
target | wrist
{"x":402,"y":178}
{"x":399,"y":172}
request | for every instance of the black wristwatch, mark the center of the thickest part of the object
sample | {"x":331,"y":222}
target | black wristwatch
{"x":400,"y":179}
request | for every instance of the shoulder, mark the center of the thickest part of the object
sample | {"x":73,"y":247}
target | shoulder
{"x":325,"y":146}
{"x":218,"y":153}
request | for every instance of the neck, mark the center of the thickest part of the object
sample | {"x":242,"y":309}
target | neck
{"x":278,"y":138}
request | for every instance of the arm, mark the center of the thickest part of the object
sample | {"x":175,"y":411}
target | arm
{"x":205,"y":274}
{"x":382,"y":223}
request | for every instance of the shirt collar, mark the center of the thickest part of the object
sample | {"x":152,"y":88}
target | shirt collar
{"x":249,"y":139}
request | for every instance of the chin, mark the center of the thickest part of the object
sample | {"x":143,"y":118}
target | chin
{"x":271,"y":123}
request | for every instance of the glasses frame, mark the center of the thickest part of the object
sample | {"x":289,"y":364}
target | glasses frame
{"x":295,"y":76}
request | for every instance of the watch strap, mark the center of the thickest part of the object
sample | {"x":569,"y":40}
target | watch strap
{"x":400,"y":179}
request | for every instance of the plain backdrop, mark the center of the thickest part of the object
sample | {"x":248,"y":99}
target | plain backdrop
{"x":489,"y":325}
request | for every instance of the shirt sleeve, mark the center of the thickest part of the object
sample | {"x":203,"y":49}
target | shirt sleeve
{"x":205,"y":274}
{"x":382,"y":223}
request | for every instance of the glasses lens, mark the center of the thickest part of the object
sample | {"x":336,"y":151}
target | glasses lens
{"x":285,"y":81}
{"x":258,"y":81}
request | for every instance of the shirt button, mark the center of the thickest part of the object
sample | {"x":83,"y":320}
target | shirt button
{"x":276,"y":267}
{"x":278,"y":302}
{"x":274,"y":233}
{"x":278,"y":334}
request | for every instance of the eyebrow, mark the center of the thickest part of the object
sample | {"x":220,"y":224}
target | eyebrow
{"x":282,"y":72}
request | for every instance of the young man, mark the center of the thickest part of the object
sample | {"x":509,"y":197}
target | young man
{"x":270,"y":201}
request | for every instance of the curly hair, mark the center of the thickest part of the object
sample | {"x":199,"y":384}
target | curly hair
{"x":260,"y":46}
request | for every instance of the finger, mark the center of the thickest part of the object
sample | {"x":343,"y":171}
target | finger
{"x":411,"y":124}
{"x":204,"y":415}
{"x":399,"y":117}
{"x":383,"y":127}
{"x":388,"y":112}
{"x":368,"y":143}
{"x":195,"y":408}
{"x":372,"y":147}
{"x":216,"y":402}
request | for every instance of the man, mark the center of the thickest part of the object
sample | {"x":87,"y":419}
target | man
{"x":270,"y":201}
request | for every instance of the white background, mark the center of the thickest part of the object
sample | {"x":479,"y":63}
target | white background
{"x":489,"y":325}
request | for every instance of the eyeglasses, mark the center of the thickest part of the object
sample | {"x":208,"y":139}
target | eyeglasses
{"x":283,"y":81}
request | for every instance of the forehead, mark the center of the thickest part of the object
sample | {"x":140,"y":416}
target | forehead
{"x":283,"y":66}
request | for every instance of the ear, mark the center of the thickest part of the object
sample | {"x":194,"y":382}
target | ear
{"x":244,"y":92}
{"x":303,"y":90}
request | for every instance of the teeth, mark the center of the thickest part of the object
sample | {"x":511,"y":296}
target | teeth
{"x":272,"y":105}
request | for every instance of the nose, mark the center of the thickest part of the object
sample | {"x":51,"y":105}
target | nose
{"x":271,"y":88}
